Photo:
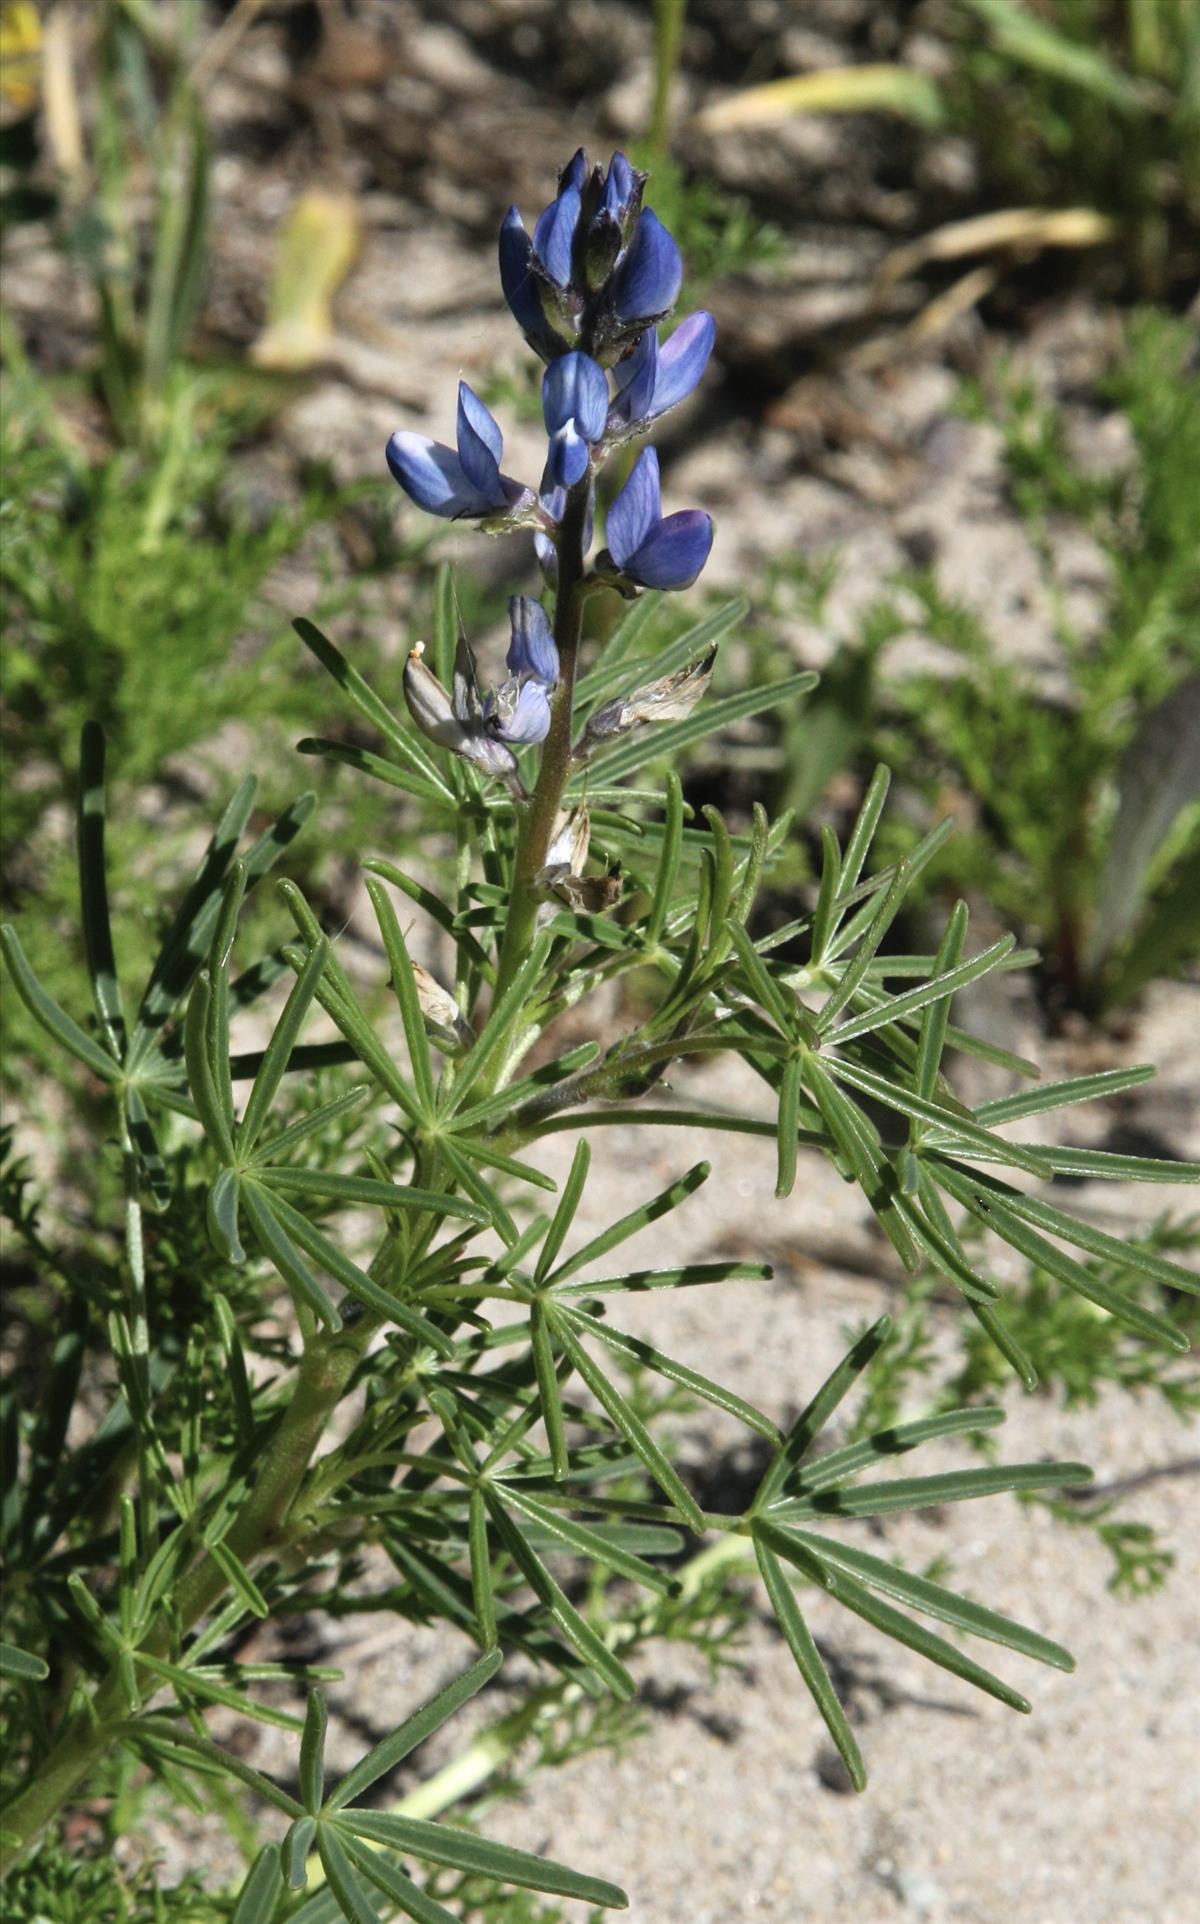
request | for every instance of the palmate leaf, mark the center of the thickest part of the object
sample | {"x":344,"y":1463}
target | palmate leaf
{"x":342,"y":1834}
{"x":796,"y":1491}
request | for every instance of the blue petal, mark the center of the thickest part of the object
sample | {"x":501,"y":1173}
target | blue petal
{"x":433,"y":475}
{"x":531,"y":651}
{"x":635,"y":377}
{"x":575,"y":173}
{"x":674,"y":553}
{"x":480,"y":442}
{"x":681,"y":362}
{"x":574,"y":389}
{"x":518,"y":280}
{"x":619,"y":186}
{"x":567,"y":461}
{"x":649,"y":278}
{"x":518,"y":713}
{"x":636,"y":510}
{"x":554,"y":235}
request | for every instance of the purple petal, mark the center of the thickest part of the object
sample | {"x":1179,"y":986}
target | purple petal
{"x":554,"y":235}
{"x":681,"y":362}
{"x":673,"y":553}
{"x":574,"y":389}
{"x":480,"y":443}
{"x":531,"y":651}
{"x":636,"y":376}
{"x":636,"y":510}
{"x":433,"y":476}
{"x":518,"y":711}
{"x":649,"y":278}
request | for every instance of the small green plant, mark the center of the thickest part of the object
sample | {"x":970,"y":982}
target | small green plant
{"x":1080,"y":819}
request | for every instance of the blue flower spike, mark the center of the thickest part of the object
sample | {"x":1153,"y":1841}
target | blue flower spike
{"x":462,"y":484}
{"x":651,"y":379}
{"x":648,"y":550}
{"x":531,"y":652}
{"x":575,"y":410}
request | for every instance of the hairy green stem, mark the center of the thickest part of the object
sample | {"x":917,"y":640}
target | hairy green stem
{"x":537,"y":826}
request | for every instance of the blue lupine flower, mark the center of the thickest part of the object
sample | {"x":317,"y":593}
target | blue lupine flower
{"x":554,"y":233}
{"x":653,"y":378}
{"x":468,"y":482}
{"x":575,"y":410}
{"x":647,"y":280}
{"x":531,"y":652}
{"x":522,"y":284}
{"x":518,"y":711}
{"x":646,"y":549}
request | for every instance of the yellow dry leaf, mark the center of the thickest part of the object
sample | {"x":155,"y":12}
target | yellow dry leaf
{"x":876,"y":88}
{"x":318,"y":242}
{"x":20,"y":54}
{"x":1015,"y":229}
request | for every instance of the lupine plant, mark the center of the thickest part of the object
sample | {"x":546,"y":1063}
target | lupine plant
{"x":393,"y":1347}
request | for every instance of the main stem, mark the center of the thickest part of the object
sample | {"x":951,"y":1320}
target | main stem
{"x":324,"y":1374}
{"x":537,"y":827}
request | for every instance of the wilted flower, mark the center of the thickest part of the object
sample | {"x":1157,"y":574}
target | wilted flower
{"x":575,"y":410}
{"x":669,"y":698}
{"x":652,"y":379}
{"x":645,"y":548}
{"x":566,"y":859}
{"x":531,"y":651}
{"x":518,"y":711}
{"x":467,"y":483}
{"x":444,"y":1020}
{"x":458,"y":724}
